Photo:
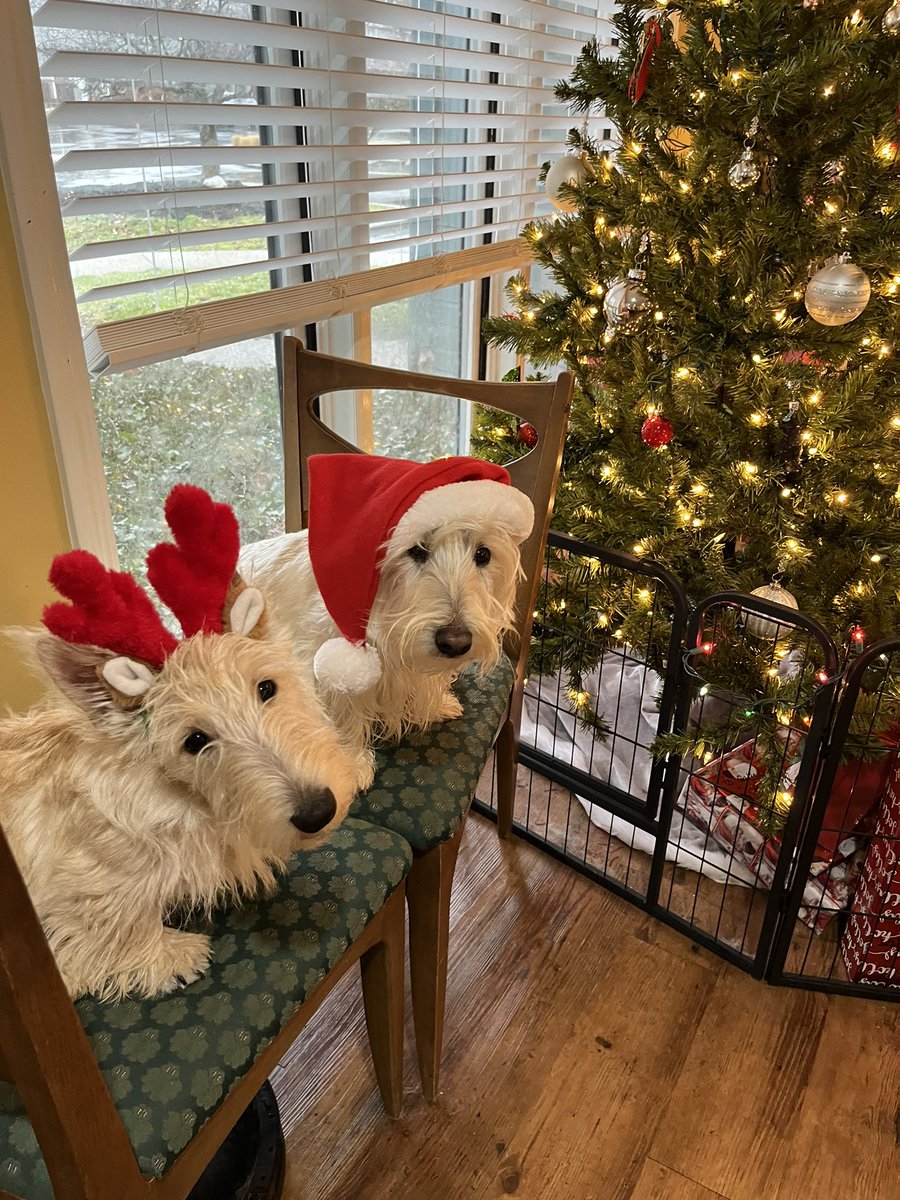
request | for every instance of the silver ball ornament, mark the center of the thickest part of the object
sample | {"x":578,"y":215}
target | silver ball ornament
{"x":765,"y":627}
{"x":838,"y":292}
{"x":745,"y":172}
{"x":890,"y":22}
{"x":625,"y":304}
{"x":570,"y":170}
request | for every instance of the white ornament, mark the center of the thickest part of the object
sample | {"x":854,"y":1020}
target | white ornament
{"x":570,"y":170}
{"x":765,"y":627}
{"x":890,"y":22}
{"x":838,"y":292}
{"x":625,"y":303}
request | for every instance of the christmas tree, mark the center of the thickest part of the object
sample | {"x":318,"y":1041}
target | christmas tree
{"x":724,"y":288}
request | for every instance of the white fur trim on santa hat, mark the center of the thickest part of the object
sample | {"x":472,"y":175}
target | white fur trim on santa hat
{"x":480,"y":499}
{"x":344,"y":667}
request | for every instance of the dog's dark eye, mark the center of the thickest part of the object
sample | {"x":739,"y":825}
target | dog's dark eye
{"x":482,"y":556}
{"x":266,"y":689}
{"x":418,"y":553}
{"x":194,"y":742}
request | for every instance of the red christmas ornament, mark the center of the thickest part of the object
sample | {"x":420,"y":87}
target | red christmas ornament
{"x":657,"y":431}
{"x":527,"y":435}
{"x":652,"y":36}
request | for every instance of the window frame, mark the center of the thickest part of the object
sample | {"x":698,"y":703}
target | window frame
{"x":29,"y":182}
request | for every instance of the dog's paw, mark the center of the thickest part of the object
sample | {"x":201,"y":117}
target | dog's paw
{"x":183,"y":958}
{"x":450,"y":708}
{"x":364,"y":773}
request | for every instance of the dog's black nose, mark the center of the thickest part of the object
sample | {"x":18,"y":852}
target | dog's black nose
{"x":453,"y":640}
{"x":314,"y":809}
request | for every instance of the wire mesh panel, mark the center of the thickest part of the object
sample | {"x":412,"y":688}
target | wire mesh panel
{"x":732,"y":774}
{"x":755,"y":697}
{"x":851,"y":843}
{"x":599,"y":693}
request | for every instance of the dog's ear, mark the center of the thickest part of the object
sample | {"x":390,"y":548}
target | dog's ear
{"x":105,"y":685}
{"x":245,"y":610}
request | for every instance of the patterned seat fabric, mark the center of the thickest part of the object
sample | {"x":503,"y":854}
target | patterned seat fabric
{"x":169,"y":1063}
{"x":425,"y":783}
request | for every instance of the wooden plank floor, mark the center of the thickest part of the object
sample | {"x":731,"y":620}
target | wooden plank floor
{"x":594,"y":1054}
{"x":732,"y":914}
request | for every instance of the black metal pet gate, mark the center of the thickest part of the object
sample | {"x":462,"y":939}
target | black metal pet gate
{"x":815,"y":904}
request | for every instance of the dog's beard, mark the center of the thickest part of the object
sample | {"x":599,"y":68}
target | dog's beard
{"x":417,"y":599}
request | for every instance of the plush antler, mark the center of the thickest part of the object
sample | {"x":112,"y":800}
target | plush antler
{"x":108,"y":609}
{"x":193,"y":576}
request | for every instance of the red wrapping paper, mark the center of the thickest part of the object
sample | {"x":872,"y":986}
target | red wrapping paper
{"x":871,"y":942}
{"x":722,"y":801}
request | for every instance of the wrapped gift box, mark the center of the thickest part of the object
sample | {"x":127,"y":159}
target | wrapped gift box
{"x":722,"y":801}
{"x":871,"y":942}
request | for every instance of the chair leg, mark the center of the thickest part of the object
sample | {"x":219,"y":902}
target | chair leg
{"x":505,"y":759}
{"x":382,"y":973}
{"x":428,"y":893}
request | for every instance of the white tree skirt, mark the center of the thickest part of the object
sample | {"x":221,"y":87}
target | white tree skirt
{"x":625,"y":693}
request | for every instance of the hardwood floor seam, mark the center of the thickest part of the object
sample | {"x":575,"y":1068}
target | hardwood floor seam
{"x":687,"y":1178}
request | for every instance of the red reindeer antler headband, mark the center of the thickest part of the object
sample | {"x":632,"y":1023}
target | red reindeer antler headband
{"x":109,"y":609}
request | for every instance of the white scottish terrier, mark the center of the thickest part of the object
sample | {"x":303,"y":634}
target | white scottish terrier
{"x":147,"y":786}
{"x":444,"y":595}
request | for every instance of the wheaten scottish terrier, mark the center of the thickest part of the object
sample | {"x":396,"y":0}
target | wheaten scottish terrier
{"x":444,"y":596}
{"x":148,"y":788}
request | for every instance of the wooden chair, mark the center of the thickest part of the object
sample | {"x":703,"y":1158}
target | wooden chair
{"x":131,"y":1100}
{"x":307,"y":377}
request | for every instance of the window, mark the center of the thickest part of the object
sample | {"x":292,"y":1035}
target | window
{"x":228,"y":170}
{"x":212,"y":417}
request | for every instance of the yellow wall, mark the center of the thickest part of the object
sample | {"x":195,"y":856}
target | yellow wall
{"x":32,"y":517}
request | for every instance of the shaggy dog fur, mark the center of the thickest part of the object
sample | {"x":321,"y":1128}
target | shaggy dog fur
{"x":423,"y":589}
{"x":118,"y":814}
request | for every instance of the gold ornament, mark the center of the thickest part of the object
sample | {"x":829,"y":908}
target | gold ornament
{"x":680,"y":31}
{"x":890,"y":22}
{"x":838,"y":292}
{"x":676,"y":141}
{"x":570,"y":170}
{"x":765,"y":627}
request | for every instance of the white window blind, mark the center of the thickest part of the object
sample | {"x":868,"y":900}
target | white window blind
{"x":227,"y":169}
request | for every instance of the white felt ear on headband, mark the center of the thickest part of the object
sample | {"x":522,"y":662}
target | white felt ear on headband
{"x":127,"y":676}
{"x":246,"y":611}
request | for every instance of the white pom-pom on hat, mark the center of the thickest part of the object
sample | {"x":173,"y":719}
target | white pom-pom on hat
{"x":345,"y":666}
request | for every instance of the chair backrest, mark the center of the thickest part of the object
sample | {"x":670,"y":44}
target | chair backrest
{"x":45,"y":1053}
{"x":309,"y":375}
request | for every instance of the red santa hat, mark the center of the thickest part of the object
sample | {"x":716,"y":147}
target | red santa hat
{"x":359,"y":505}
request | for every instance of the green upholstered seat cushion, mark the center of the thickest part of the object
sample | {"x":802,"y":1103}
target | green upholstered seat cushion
{"x":425,"y":783}
{"x":169,"y":1063}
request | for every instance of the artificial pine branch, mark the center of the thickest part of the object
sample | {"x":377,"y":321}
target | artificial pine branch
{"x":733,"y":342}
